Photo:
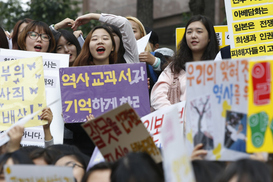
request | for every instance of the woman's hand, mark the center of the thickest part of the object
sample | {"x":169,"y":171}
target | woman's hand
{"x":15,"y":135}
{"x":8,"y":34}
{"x":259,"y":156}
{"x":81,"y":20}
{"x":198,"y":153}
{"x":77,"y":33}
{"x":147,"y":57}
{"x":48,"y":116}
{"x":89,"y":117}
{"x":64,"y":24}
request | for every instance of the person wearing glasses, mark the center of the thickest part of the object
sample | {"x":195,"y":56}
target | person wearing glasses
{"x":76,"y":161}
{"x":37,"y":37}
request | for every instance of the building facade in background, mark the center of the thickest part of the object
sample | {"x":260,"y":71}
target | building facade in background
{"x":167,"y":14}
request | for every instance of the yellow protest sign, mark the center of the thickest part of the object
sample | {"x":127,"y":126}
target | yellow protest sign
{"x":260,"y":115}
{"x":236,"y":3}
{"x":244,"y":13}
{"x":253,"y":38}
{"x":221,"y":33}
{"x":22,"y":91}
{"x":252,"y":51}
{"x":252,"y":25}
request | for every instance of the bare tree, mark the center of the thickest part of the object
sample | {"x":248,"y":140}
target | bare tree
{"x":201,"y":137}
{"x":201,"y":114}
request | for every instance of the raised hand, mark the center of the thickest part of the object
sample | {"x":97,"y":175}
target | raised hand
{"x":64,"y":24}
{"x":81,"y":20}
{"x":15,"y":135}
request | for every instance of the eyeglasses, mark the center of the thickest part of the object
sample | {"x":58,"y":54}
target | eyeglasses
{"x":73,"y":164}
{"x":35,"y":35}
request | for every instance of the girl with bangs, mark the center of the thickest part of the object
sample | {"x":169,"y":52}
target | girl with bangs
{"x":17,"y":30}
{"x":37,"y":37}
{"x":67,"y":43}
{"x":199,"y":43}
{"x":98,"y":48}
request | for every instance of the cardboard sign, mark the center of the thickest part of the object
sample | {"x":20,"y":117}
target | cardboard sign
{"x":217,"y":94}
{"x":154,"y":121}
{"x":120,"y":131}
{"x":260,"y":116}
{"x":97,"y":89}
{"x":51,"y":64}
{"x":177,"y":166}
{"x":250,"y":27}
{"x":38,"y":173}
{"x":221,"y":34}
{"x":22,"y":91}
{"x":33,"y":136}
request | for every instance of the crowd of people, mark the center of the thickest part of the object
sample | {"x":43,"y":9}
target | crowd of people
{"x":115,"y":42}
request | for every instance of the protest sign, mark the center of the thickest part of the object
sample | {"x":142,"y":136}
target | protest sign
{"x":4,"y":138}
{"x":33,"y":136}
{"x":22,"y":91}
{"x":250,"y":27}
{"x":97,"y":89}
{"x":260,"y":116}
{"x":51,"y":64}
{"x":154,"y":121}
{"x":33,"y":173}
{"x":216,"y":105}
{"x":221,"y":34}
{"x":177,"y":165}
{"x":120,"y":131}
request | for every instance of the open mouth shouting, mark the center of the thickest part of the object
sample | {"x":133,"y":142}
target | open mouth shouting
{"x":38,"y":48}
{"x":100,"y":50}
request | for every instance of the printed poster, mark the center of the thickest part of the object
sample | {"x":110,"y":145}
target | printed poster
{"x":22,"y":91}
{"x":51,"y":64}
{"x":119,"y":132}
{"x":154,"y":121}
{"x":97,"y":89}
{"x":217,"y":93}
{"x":38,"y":173}
{"x":177,"y":163}
{"x":250,"y":27}
{"x":260,"y":116}
{"x":221,"y":34}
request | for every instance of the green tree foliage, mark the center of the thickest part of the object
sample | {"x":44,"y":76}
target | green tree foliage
{"x":52,"y":11}
{"x":10,"y":12}
{"x":49,"y":11}
{"x":89,"y":26}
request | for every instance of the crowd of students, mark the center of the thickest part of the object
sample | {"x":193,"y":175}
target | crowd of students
{"x":110,"y":43}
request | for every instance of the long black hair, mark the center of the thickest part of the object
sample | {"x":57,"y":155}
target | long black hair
{"x":137,"y":167}
{"x":184,"y":54}
{"x":70,"y":37}
{"x":3,"y":39}
{"x":121,"y":50}
{"x":247,"y":170}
